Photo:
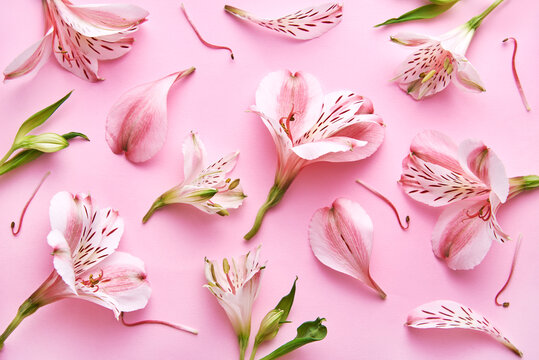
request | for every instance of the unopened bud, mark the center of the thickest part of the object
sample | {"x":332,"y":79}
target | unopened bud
{"x":269,"y":326}
{"x":48,"y":142}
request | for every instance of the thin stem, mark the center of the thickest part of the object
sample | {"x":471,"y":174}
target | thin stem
{"x":244,"y":342}
{"x":253,"y":352}
{"x":15,"y":233}
{"x":517,"y":248}
{"x":8,"y":154}
{"x":210,"y":45}
{"x":155,"y":206}
{"x":387,"y":201}
{"x":515,"y":75}
{"x":26,"y":309}
{"x":475,"y":22}
{"x":275,"y":195}
{"x":159,"y":322}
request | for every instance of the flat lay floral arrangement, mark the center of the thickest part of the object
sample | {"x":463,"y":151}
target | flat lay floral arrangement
{"x":269,"y":180}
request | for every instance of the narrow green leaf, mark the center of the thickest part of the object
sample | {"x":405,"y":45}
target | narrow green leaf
{"x":39,"y":118}
{"x":443,"y":2}
{"x":307,"y":332}
{"x":286,"y":302}
{"x":71,"y":135}
{"x":424,"y":12}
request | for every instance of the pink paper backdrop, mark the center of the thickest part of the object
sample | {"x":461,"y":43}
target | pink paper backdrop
{"x":213,"y":101}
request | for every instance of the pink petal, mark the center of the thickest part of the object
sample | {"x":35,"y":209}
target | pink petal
{"x":483,"y":163}
{"x":110,"y":16}
{"x":460,"y":237}
{"x":65,"y":216}
{"x":467,"y":76}
{"x":63,"y":262}
{"x":494,"y":227}
{"x":304,"y":24}
{"x":215,"y":174}
{"x":447,"y":314}
{"x":194,"y":157}
{"x":337,"y":144}
{"x":31,"y":59}
{"x":292,"y":100}
{"x":341,"y":238}
{"x":73,"y":59}
{"x":411,"y":39}
{"x":437,"y":148}
{"x":137,"y":122}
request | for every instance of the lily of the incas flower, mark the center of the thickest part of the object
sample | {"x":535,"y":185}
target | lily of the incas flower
{"x":447,"y":314}
{"x":86,"y":265}
{"x":341,"y":238}
{"x":304,"y":24}
{"x":472,"y":179}
{"x":137,"y":122}
{"x":440,"y":60}
{"x":308,"y":127}
{"x":79,"y":36}
{"x":235,"y":284}
{"x":206,"y":188}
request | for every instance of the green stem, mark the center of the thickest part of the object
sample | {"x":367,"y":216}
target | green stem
{"x":244,"y":341}
{"x":26,"y":309}
{"x":275,"y":195}
{"x":476,"y":20}
{"x":4,"y":159}
{"x":156,"y":205}
{"x":519,"y":184}
{"x":253,"y":352}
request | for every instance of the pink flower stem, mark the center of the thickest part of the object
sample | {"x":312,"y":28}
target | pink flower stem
{"x":517,"y":248}
{"x":211,"y":46}
{"x":387,"y":201}
{"x":159,"y":322}
{"x":15,"y":233}
{"x":515,"y":75}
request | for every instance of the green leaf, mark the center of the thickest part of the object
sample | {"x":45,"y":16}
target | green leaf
{"x":286,"y":302}
{"x":424,"y":12}
{"x":26,"y":156}
{"x":307,"y":332}
{"x":443,"y":2}
{"x":39,"y":118}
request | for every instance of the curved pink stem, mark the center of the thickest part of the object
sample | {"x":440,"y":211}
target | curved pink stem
{"x":387,"y":201}
{"x":15,"y":233}
{"x":159,"y":322}
{"x":517,"y":248}
{"x":211,"y":46}
{"x":515,"y":75}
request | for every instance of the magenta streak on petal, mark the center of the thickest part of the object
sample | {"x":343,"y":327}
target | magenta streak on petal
{"x":515,"y":75}
{"x":517,"y":248}
{"x":15,"y":233}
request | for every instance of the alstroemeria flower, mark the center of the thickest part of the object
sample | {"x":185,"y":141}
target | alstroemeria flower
{"x":79,"y":36}
{"x":341,"y":238}
{"x":304,"y":24}
{"x":86,"y":265}
{"x":440,"y":60}
{"x":447,"y":314}
{"x":235,"y":284}
{"x":137,"y":122}
{"x":308,"y":127}
{"x":206,"y":188}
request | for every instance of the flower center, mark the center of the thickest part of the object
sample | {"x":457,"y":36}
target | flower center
{"x":484,"y":212}
{"x":285,"y":123}
{"x":92,"y":281}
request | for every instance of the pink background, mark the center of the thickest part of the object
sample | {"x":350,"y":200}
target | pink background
{"x":213,"y":101}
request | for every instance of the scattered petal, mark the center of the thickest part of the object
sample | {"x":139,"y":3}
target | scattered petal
{"x":31,"y":59}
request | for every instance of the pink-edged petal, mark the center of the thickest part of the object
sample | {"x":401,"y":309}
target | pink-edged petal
{"x":338,"y":144}
{"x":63,"y":262}
{"x":283,"y":144}
{"x":71,"y":57}
{"x":447,"y":314}
{"x":341,"y":238}
{"x":485,"y":164}
{"x":437,"y":148}
{"x":461,"y":237}
{"x":66,"y":215}
{"x":32,"y":59}
{"x":467,"y":76}
{"x":304,"y":24}
{"x":103,"y":48}
{"x":110,"y":16}
{"x":215,"y":175}
{"x":494,"y":227}
{"x":411,"y":39}
{"x":194,"y":157}
{"x":290,"y":101}
{"x":137,"y":122}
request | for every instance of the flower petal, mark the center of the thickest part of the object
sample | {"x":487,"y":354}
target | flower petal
{"x":137,"y":122}
{"x":110,"y":16}
{"x":411,"y":39}
{"x":337,"y":144}
{"x":31,"y":59}
{"x":63,"y":262}
{"x":437,"y":148}
{"x":304,"y":24}
{"x":194,"y":157}
{"x":461,"y":238}
{"x":467,"y":76}
{"x":341,"y":238}
{"x":71,"y":57}
{"x":214,"y":176}
{"x":229,"y":199}
{"x":447,"y":314}
{"x":65,"y":215}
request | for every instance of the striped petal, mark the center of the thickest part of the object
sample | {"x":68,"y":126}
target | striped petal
{"x":32,"y":59}
{"x":447,"y":314}
{"x":304,"y":24}
{"x":194,"y":157}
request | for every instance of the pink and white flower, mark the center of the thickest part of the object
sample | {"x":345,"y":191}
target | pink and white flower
{"x":341,"y":238}
{"x":447,"y":314}
{"x":206,"y":188}
{"x":80,"y":36}
{"x":86,"y":265}
{"x":137,"y":122}
{"x":304,"y":24}
{"x":235,"y":284}
{"x":308,"y":127}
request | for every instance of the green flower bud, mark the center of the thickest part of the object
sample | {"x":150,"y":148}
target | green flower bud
{"x":269,"y":326}
{"x":47,"y":143}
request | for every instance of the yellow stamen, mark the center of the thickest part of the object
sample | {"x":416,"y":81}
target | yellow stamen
{"x":428,"y":76}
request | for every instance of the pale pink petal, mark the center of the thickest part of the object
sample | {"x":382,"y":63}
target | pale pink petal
{"x":215,"y":175}
{"x":411,"y":39}
{"x":290,"y":101}
{"x":32,"y":59}
{"x":70,"y":55}
{"x":66,"y":216}
{"x":137,"y":122}
{"x":63,"y":262}
{"x":485,"y":165}
{"x":447,"y":314}
{"x":461,"y":237}
{"x":467,"y":76}
{"x":341,"y":238}
{"x":336,"y":144}
{"x":110,"y":16}
{"x":103,"y":48}
{"x":229,"y":199}
{"x":283,"y":144}
{"x":304,"y":24}
{"x":494,"y":227}
{"x":194,"y":157}
{"x":437,"y":148}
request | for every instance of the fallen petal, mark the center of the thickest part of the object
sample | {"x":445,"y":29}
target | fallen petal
{"x":31,"y":59}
